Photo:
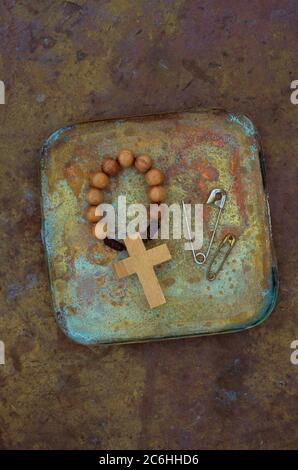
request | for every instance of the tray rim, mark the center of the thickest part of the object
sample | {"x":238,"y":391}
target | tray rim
{"x":261,"y":317}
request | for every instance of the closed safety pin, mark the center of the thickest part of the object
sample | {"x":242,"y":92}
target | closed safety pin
{"x":221,"y":255}
{"x":218,"y":198}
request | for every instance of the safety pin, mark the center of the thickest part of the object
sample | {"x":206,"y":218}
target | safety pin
{"x":221,"y":255}
{"x":218,"y":198}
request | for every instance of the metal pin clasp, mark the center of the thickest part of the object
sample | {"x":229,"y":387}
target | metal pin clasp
{"x":221,"y":255}
{"x":218,"y":198}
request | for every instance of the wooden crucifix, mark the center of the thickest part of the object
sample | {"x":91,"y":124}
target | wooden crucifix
{"x":142,"y":262}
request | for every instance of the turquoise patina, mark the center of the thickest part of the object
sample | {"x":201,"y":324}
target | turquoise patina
{"x":197,"y":152}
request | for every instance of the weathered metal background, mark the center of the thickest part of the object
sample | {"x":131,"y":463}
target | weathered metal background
{"x":197,"y":152}
{"x":66,"y":62}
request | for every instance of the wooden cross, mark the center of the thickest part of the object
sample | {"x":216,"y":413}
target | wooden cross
{"x":141,"y":262}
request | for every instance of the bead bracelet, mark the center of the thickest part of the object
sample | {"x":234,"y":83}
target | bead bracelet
{"x":111,"y":167}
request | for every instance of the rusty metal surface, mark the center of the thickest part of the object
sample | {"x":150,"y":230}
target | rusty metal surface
{"x":66,"y":62}
{"x":196,"y":151}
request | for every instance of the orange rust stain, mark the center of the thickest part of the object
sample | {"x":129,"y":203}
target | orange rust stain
{"x":202,"y":186}
{"x":237,"y":190}
{"x":98,"y":253}
{"x":231,"y":228}
{"x":207,"y":171}
{"x":75,"y":177}
{"x":218,"y":142}
{"x":192,"y":136}
{"x":100,"y":280}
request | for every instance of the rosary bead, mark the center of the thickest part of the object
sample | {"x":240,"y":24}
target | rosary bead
{"x":126,"y":158}
{"x":90,"y":214}
{"x":156,"y":193}
{"x":94,"y":196}
{"x":154,"y":177}
{"x":143,"y":163}
{"x":99,"y":180}
{"x":110,"y":167}
{"x":114,"y":244}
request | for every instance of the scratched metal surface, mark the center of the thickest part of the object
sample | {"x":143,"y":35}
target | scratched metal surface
{"x":67,"y":62}
{"x":197,"y":152}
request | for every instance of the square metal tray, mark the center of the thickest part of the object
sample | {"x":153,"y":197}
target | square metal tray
{"x":197,"y":151}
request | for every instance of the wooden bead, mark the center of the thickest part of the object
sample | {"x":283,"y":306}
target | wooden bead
{"x":110,"y":167}
{"x":90,"y":214}
{"x":156,"y":193}
{"x":154,"y":177}
{"x":143,"y":163}
{"x":106,"y":157}
{"x":126,"y":158}
{"x":94,"y":196}
{"x":99,"y":180}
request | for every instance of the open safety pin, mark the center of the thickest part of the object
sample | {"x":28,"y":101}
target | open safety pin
{"x":221,"y":255}
{"x":218,"y":198}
